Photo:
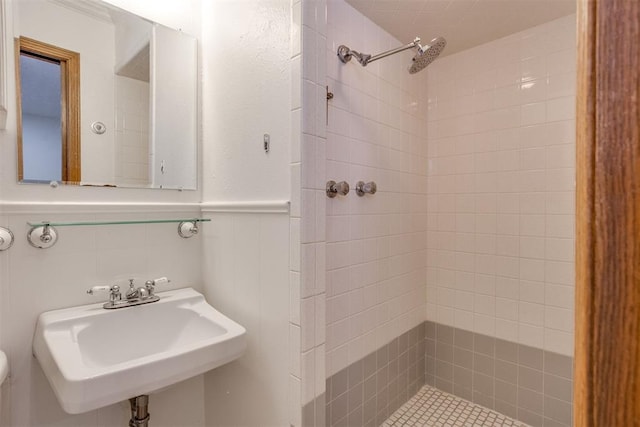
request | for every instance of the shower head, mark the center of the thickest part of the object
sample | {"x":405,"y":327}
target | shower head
{"x":426,"y":55}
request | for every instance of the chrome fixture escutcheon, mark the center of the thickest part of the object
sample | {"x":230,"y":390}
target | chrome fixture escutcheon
{"x":6,"y":239}
{"x":134,"y":296}
{"x":334,"y":189}
{"x":43,"y":236}
{"x":188,"y":229}
{"x":368,"y":188}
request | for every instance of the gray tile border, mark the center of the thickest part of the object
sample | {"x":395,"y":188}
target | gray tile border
{"x":369,"y":390}
{"x":558,"y":364}
{"x":530,"y":357}
{"x":530,"y":378}
{"x":522,"y":382}
{"x":506,"y":350}
{"x":515,"y":379}
{"x":558,"y":387}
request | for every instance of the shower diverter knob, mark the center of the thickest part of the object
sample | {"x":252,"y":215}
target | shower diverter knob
{"x":333,"y":188}
{"x":369,"y":187}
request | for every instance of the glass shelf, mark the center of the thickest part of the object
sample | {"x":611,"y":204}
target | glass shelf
{"x":43,"y":234}
{"x":142,"y":221}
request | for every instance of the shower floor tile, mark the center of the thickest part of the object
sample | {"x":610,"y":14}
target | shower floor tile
{"x":434,"y":408}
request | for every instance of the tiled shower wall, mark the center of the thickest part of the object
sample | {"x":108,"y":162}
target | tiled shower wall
{"x":501,"y":143}
{"x":132,"y":132}
{"x":498,"y":124}
{"x":307,"y":218}
{"x":376,"y":245}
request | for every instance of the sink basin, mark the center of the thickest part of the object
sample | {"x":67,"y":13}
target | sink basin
{"x":4,"y":367}
{"x":95,"y":357}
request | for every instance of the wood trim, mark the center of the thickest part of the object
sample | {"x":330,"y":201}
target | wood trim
{"x":607,"y":362}
{"x":4,"y":98}
{"x":19,"y":155}
{"x":70,"y":88}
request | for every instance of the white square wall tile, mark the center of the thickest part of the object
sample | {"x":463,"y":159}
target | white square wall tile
{"x":296,"y":28}
{"x":296,"y":83}
{"x":308,"y":376}
{"x":308,"y":270}
{"x":308,"y":324}
{"x":294,"y":350}
{"x":294,"y":297}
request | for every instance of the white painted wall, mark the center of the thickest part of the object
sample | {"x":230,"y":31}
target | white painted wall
{"x":501,"y":129}
{"x":246,"y":92}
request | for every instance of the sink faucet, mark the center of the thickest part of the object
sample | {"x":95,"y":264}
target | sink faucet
{"x":136,"y":293}
{"x":134,"y":296}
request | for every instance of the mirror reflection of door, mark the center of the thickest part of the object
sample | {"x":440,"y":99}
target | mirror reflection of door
{"x":48,"y":112}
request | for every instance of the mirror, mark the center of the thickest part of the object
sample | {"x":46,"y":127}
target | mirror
{"x":105,"y":97}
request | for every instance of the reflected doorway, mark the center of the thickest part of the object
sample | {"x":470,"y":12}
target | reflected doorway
{"x":48,"y":112}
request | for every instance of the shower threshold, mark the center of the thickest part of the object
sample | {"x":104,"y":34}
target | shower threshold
{"x":431,"y":407}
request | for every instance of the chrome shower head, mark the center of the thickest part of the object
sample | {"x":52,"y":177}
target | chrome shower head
{"x":426,"y":55}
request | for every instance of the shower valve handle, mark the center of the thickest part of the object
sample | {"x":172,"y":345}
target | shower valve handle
{"x":333,"y":188}
{"x":368,"y":188}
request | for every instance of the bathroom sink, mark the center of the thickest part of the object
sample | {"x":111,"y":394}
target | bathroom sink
{"x":4,"y":367}
{"x":95,"y":357}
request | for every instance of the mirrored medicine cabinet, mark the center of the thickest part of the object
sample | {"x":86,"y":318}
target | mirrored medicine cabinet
{"x":105,"y":97}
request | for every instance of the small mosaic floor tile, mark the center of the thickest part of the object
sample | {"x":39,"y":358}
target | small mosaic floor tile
{"x":431,"y":407}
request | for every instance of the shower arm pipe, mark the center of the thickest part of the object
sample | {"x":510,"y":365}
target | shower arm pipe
{"x":390,"y":52}
{"x":345,"y":53}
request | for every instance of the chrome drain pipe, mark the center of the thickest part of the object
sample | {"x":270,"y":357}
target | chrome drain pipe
{"x":139,"y":411}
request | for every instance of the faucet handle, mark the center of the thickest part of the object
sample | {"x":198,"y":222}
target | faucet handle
{"x":114,"y":291}
{"x":98,"y":289}
{"x":151,"y":284}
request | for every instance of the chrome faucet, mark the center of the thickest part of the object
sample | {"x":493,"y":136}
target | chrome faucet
{"x":134,"y":296}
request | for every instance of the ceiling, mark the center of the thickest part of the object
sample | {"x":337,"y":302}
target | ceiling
{"x":464,"y":23}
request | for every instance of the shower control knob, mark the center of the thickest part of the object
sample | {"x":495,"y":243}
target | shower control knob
{"x":333,"y":188}
{"x":368,"y":188}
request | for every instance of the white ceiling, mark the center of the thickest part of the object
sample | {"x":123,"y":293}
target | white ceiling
{"x":464,"y":23}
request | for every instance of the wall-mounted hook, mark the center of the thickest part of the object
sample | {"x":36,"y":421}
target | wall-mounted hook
{"x":6,"y":238}
{"x":329,"y":97}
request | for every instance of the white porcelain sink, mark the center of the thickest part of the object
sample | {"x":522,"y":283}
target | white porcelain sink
{"x":4,"y":367}
{"x":95,"y":357}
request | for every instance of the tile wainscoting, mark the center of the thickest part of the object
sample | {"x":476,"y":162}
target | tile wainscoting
{"x":522,"y":382}
{"x":368,"y":391}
